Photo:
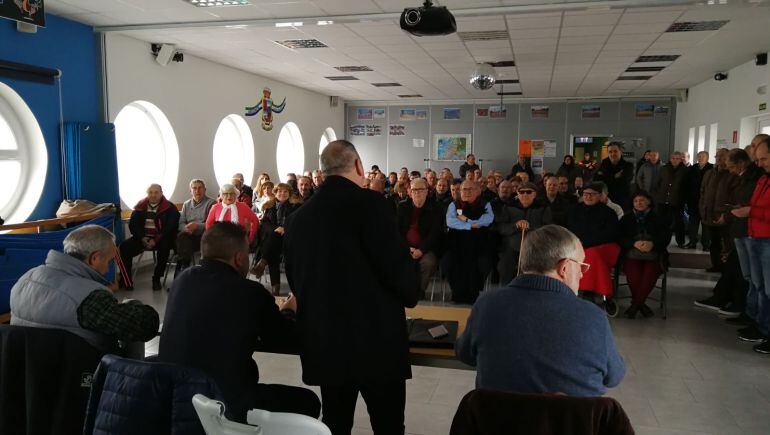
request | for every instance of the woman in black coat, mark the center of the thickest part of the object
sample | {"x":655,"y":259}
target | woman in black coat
{"x":643,"y":239}
{"x":570,"y":170}
{"x":271,"y":230}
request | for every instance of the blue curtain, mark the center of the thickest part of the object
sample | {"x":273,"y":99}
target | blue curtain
{"x":21,"y":252}
{"x":73,"y":169}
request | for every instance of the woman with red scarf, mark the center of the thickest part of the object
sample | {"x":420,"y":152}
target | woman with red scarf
{"x":230,"y":210}
{"x":469,"y":259}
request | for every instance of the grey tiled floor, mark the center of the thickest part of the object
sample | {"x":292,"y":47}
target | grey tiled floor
{"x":687,"y":374}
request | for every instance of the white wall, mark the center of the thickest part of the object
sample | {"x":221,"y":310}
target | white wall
{"x":197,"y":94}
{"x":728,"y":103}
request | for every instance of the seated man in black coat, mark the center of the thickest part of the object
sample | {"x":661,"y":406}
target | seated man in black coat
{"x":216,"y":319}
{"x":419,"y":222}
{"x":153,"y":226}
{"x":559,"y":204}
{"x":596,"y":225}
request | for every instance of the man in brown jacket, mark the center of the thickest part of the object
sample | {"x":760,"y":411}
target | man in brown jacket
{"x":669,"y":195}
{"x":713,"y":207}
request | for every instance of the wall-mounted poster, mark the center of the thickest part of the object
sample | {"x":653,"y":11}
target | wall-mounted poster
{"x":451,"y":147}
{"x":549,"y":147}
{"x":407,"y":115}
{"x":539,"y":112}
{"x":364,"y":113}
{"x":538,"y":148}
{"x":28,"y":11}
{"x":418,"y":143}
{"x":378,"y":113}
{"x":397,"y":130}
{"x":525,"y":147}
{"x":421,"y":115}
{"x":537,"y":164}
{"x":497,"y":112}
{"x":590,"y":111}
{"x":661,"y":111}
{"x":645,"y":111}
{"x":452,"y":114}
{"x":373,"y":130}
{"x":482,"y":112}
{"x":358,"y":130}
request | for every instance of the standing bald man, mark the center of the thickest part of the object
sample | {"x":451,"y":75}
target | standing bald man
{"x":353,"y":275}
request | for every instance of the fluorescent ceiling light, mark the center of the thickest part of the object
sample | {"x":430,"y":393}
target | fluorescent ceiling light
{"x":325,"y":23}
{"x":294,"y":24}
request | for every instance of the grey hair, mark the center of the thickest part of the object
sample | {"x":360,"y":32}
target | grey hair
{"x":418,"y":181}
{"x":197,"y":180}
{"x":88,"y":239}
{"x":545,"y":247}
{"x":338,"y":157}
{"x":228,"y":188}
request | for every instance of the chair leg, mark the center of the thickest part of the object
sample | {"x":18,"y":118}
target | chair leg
{"x":136,"y":266}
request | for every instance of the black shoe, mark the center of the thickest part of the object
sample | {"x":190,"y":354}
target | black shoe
{"x":631,"y":311}
{"x":691,"y":245}
{"x":156,"y":284}
{"x":710,"y":304}
{"x":752,"y":335}
{"x":763,"y":348}
{"x":713,"y":270}
{"x":741,"y":320}
{"x":730,"y":311}
{"x":646,"y":311}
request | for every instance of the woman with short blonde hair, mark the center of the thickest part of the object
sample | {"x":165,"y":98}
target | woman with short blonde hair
{"x":230,"y":210}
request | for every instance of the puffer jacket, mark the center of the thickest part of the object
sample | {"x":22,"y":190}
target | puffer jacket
{"x":147,"y":398}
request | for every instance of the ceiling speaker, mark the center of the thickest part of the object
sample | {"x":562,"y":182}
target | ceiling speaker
{"x":762,"y":59}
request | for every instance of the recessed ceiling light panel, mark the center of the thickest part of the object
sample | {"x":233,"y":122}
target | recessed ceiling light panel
{"x":386,"y":85}
{"x":658,"y":58}
{"x":340,"y":78}
{"x":410,"y":96}
{"x":502,"y":64}
{"x":218,"y":3}
{"x":509,"y":93}
{"x":634,"y":77}
{"x":644,"y":68}
{"x":696,"y":26}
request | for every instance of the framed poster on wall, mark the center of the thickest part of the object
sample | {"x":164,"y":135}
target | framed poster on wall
{"x":451,"y":147}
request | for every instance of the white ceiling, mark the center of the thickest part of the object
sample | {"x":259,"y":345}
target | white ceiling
{"x":565,"y":52}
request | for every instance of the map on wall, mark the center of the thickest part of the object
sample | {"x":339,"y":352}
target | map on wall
{"x":451,"y":147}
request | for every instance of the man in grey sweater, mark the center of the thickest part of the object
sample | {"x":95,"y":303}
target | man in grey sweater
{"x":192,"y":223}
{"x":647,"y":177}
{"x":535,"y":335}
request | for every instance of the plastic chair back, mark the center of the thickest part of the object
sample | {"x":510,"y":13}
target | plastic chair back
{"x":283,"y":423}
{"x":212,"y":416}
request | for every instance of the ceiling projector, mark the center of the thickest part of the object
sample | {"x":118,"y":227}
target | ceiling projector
{"x":428,"y":20}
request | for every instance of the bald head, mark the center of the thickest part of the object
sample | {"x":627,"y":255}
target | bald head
{"x":338,"y":158}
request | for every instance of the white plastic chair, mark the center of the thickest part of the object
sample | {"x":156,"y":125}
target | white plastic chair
{"x":212,"y":416}
{"x":282,"y":423}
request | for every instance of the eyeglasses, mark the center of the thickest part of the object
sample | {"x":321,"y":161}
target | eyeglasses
{"x":583,"y":266}
{"x":587,"y":193}
{"x":526,"y":192}
{"x":420,"y":190}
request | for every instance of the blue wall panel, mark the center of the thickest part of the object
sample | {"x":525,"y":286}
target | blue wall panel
{"x":71,"y":48}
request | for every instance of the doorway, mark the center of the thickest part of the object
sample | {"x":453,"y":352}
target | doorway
{"x":594,"y":144}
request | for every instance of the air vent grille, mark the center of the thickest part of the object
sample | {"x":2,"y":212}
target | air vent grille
{"x":696,"y":26}
{"x":301,"y":43}
{"x":410,"y":96}
{"x":509,"y":93}
{"x":386,"y":85}
{"x":341,"y":78}
{"x":490,"y":35}
{"x":644,"y":68}
{"x":353,"y":68}
{"x":502,"y":64}
{"x":634,"y":77}
{"x":658,"y":58}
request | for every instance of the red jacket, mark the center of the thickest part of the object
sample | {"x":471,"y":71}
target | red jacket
{"x":246,"y":218}
{"x":759,"y":217}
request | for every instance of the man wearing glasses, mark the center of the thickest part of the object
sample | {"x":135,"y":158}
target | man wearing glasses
{"x":419,"y":223}
{"x":572,"y":349}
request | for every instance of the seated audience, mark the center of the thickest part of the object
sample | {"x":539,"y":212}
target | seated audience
{"x":69,"y":291}
{"x":469,"y":166}
{"x":272,"y":228}
{"x":318,"y":179}
{"x":605,"y":198}
{"x":566,"y":191}
{"x":153,"y":225}
{"x":414,"y":174}
{"x":505,"y":197}
{"x":216,"y":318}
{"x":245,"y":188}
{"x":266,"y":194}
{"x":192,"y":223}
{"x":377,"y":185}
{"x":534,"y":335}
{"x":263,"y":178}
{"x":669,"y":195}
{"x":446,"y":174}
{"x":643,"y":238}
{"x":498,"y":177}
{"x":291,"y":180}
{"x":242,"y":196}
{"x":420,"y":223}
{"x":558,"y":204}
{"x":617,"y":174}
{"x":490,"y":189}
{"x":431,"y":179}
{"x":523,"y":176}
{"x":649,"y":172}
{"x":236,"y":212}
{"x":570,"y":170}
{"x":596,"y":225}
{"x":403,"y":172}
{"x":523,"y":165}
{"x":305,"y":187}
{"x":515,"y":181}
{"x":587,"y":168}
{"x":400,"y":193}
{"x":468,"y":243}
{"x":512,"y":223}
{"x":454,"y":189}
{"x":443,"y":195}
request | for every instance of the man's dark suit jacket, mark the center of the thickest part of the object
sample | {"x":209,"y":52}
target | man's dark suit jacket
{"x":352,"y":274}
{"x":429,"y":224}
